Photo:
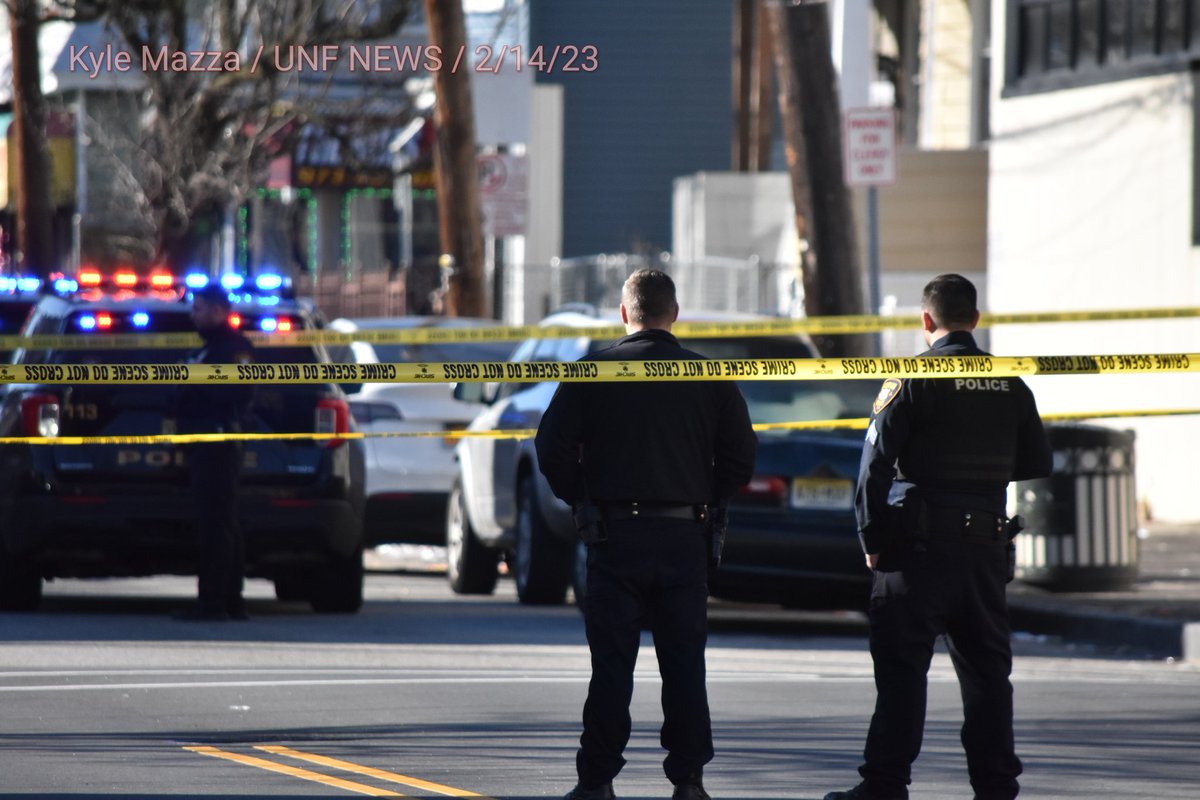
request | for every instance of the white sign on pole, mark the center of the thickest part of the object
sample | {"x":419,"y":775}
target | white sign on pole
{"x":869,"y":135}
{"x":502,"y":193}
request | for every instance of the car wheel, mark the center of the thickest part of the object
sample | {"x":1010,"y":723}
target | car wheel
{"x":20,"y":586}
{"x":579,"y":576}
{"x":338,"y":586}
{"x":470,"y":567}
{"x":542,"y":566}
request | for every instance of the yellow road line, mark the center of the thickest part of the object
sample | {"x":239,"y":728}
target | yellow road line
{"x":381,"y":774}
{"x":295,"y":772}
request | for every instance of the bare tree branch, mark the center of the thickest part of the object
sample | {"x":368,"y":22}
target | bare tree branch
{"x":204,"y":139}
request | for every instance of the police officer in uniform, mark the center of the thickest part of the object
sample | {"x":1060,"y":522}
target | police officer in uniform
{"x":203,"y":408}
{"x":931,"y":497}
{"x":644,"y":464}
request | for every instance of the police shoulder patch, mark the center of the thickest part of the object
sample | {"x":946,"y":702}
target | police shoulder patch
{"x":887,"y":393}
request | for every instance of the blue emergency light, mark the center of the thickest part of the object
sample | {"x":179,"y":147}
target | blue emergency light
{"x":232,"y":281}
{"x":268,"y":282}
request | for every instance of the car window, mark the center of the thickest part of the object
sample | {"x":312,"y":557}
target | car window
{"x":789,"y":400}
{"x":12,"y":315}
{"x":546,"y":350}
{"x":573,"y":349}
{"x":524,"y":352}
{"x":439,"y":352}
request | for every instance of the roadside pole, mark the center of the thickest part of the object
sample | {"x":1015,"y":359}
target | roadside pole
{"x":870,"y":141}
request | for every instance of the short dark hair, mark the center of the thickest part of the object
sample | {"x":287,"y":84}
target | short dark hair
{"x":214,"y":294}
{"x":951,"y":300}
{"x":649,"y":296}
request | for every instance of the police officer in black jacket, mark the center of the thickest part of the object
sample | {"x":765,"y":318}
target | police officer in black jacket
{"x":643,"y":463}
{"x":204,"y":408}
{"x":931,"y":497}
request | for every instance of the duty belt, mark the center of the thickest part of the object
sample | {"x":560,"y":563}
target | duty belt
{"x":637,"y":510}
{"x":948,"y":523}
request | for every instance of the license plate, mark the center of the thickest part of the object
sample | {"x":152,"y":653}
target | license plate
{"x":823,"y":494}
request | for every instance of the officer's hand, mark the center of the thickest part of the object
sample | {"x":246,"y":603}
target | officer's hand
{"x":872,"y":560}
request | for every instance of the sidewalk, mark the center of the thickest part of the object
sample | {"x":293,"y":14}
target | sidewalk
{"x":1158,"y":616}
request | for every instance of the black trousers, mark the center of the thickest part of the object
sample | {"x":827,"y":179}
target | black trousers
{"x":215,"y":467}
{"x":650,"y":573}
{"x":955,"y":587}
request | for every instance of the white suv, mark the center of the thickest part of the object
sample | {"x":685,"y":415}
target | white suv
{"x":792,"y":531}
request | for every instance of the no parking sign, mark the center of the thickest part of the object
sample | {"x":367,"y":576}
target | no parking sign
{"x":870,"y":141}
{"x":502,"y":193}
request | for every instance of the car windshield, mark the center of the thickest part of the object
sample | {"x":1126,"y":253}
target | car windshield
{"x":789,"y":400}
{"x":439,"y":352}
{"x":771,"y":401}
{"x":163,"y":323}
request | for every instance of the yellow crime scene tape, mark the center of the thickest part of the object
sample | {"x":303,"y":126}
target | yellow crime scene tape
{"x":743,"y":369}
{"x":859,"y":423}
{"x":506,"y":333}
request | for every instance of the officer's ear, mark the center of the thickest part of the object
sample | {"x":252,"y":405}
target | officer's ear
{"x":624,"y":315}
{"x":927,"y":323}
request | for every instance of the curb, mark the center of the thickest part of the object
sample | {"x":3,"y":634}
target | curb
{"x":1161,"y":638}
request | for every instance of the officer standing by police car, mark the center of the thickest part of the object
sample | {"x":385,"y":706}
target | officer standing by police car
{"x":204,"y":408}
{"x":938,"y":458}
{"x":646,"y":466}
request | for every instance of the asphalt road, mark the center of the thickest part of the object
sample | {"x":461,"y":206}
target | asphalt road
{"x":426,"y":694}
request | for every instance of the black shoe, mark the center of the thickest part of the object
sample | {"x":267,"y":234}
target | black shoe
{"x":199,"y":613}
{"x":237,"y":611}
{"x":602,"y":792}
{"x":693,"y":789}
{"x":864,"y":792}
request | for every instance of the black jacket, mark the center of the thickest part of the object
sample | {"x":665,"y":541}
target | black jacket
{"x":213,"y":408}
{"x":671,"y":442}
{"x":955,"y":442}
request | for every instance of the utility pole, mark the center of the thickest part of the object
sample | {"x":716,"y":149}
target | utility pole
{"x":808,"y":92}
{"x":454,"y":159}
{"x":751,"y":86}
{"x":35,"y":242}
{"x":762,"y":108}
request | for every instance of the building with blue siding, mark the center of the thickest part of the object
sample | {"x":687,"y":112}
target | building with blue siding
{"x":656,"y":106}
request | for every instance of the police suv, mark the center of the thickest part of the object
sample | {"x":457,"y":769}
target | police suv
{"x":100,"y":509}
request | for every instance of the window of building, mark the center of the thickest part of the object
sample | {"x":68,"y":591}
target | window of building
{"x":1056,"y":44}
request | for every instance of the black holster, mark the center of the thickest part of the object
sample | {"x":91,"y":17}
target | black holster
{"x":589,"y":522}
{"x":1015,"y":525}
{"x":716,"y":527}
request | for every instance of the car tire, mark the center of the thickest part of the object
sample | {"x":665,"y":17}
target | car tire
{"x":579,"y":576}
{"x":470,"y":566}
{"x":542,"y":562}
{"x":338,"y":586}
{"x":20,"y":585}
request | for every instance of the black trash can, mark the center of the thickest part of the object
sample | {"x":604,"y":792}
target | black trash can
{"x":1081,"y":522}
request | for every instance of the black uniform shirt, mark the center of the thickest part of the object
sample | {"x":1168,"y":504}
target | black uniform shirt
{"x":956,"y":442}
{"x":208,"y":408}
{"x":670,"y":442}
